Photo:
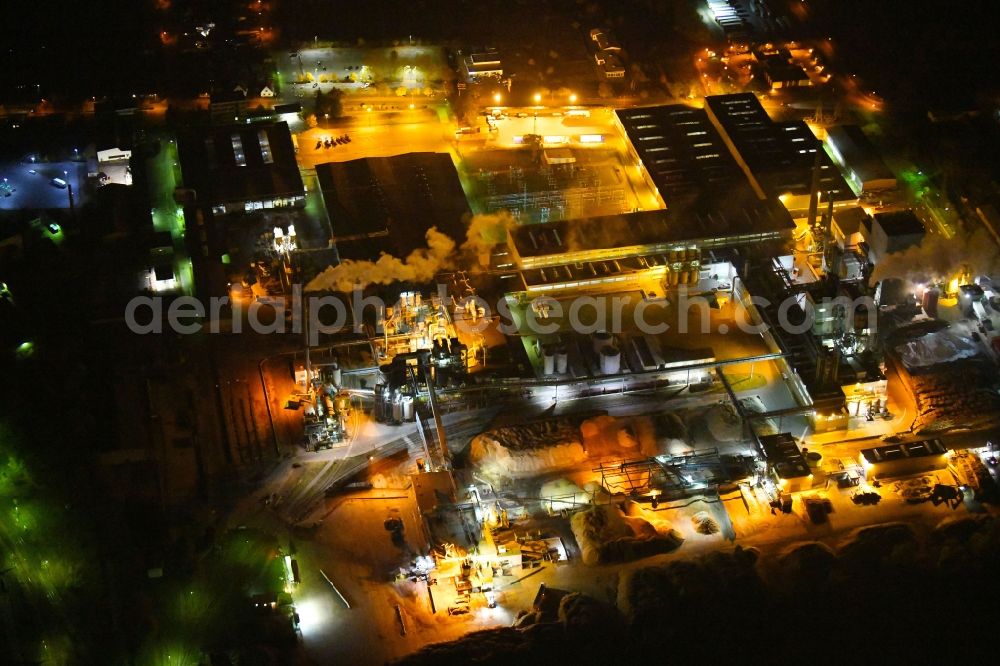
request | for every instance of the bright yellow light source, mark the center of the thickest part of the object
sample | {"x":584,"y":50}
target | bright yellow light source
{"x":572,"y":98}
{"x":538,"y":98}
{"x":496,"y":98}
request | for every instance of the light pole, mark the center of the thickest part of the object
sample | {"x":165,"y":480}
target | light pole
{"x":538,"y":100}
{"x":69,"y":190}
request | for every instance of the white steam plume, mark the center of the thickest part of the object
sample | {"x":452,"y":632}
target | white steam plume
{"x":484,"y":232}
{"x":420,"y":266}
{"x":941,"y":258}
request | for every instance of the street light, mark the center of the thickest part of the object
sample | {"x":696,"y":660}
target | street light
{"x":572,"y":98}
{"x":69,"y":191}
{"x":497,"y":97}
{"x":538,"y":100}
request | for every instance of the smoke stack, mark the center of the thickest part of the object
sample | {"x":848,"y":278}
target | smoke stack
{"x":814,"y":188}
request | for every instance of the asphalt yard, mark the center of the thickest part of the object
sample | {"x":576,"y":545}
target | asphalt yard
{"x":30,"y":186}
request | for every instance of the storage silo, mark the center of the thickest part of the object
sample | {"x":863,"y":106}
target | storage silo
{"x":601,"y":340}
{"x":548,"y":361}
{"x":611,"y":361}
{"x":562,"y":360}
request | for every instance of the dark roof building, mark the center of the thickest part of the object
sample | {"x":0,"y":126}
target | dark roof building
{"x":894,"y":231}
{"x":615,"y":237}
{"x":483,"y":65}
{"x":848,"y":226}
{"x":387,"y":204}
{"x":777,"y":157}
{"x":785,"y":460}
{"x":235,"y":168}
{"x":686,"y":160}
{"x":903,"y":459}
{"x":864,"y":166}
{"x":781,"y":72}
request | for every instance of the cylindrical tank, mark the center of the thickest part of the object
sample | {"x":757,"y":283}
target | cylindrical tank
{"x":397,"y":409}
{"x":674,"y":276}
{"x":337,"y":376}
{"x":380,"y":402}
{"x":930,"y":302}
{"x":548,"y":362}
{"x":602,"y":339}
{"x":611,"y":361}
{"x":408,"y":409}
{"x":562,"y":361}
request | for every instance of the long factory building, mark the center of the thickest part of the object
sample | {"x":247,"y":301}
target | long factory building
{"x":572,"y":254}
{"x":777,"y":157}
{"x":711,"y":202}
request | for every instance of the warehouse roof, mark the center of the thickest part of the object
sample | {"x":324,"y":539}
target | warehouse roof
{"x":233,"y":163}
{"x":900,"y":223}
{"x":650,"y":231}
{"x":684,"y":155}
{"x":780,"y":156}
{"x":387,"y":204}
{"x":858,"y":153}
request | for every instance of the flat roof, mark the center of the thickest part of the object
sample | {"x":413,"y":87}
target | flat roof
{"x":652,"y":230}
{"x":605,"y":41}
{"x":387,"y":204}
{"x":858,"y":152}
{"x":900,"y":223}
{"x":485,"y":58}
{"x":783,"y":455}
{"x":891,"y":452}
{"x":432,"y":489}
{"x":849,"y":220}
{"x":779,"y":155}
{"x":779,"y":68}
{"x":233,"y":163}
{"x":684,"y":155}
{"x":586,"y":271}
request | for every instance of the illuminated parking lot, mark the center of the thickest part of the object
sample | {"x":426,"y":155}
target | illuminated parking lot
{"x":28,"y":185}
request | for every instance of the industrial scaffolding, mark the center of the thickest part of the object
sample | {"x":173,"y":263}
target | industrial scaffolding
{"x":667,"y":476}
{"x":549,"y":193}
